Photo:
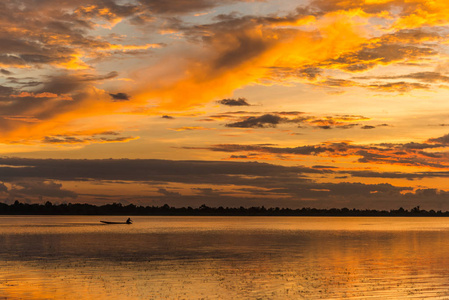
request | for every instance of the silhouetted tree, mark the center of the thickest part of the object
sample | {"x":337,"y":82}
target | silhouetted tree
{"x":118,"y":209}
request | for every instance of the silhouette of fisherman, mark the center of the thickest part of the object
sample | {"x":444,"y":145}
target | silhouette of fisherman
{"x":129,"y":221}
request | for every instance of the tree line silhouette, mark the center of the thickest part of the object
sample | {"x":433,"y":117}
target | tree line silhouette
{"x":49,"y":208}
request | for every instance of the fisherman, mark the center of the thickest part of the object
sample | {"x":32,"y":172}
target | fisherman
{"x":129,"y":221}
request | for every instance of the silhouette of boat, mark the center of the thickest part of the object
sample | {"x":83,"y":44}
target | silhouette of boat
{"x":129,"y":221}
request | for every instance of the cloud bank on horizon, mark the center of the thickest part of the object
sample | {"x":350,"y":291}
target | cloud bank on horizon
{"x":339,"y":103}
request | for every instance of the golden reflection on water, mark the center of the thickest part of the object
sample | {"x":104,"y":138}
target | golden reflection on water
{"x":224,"y":258}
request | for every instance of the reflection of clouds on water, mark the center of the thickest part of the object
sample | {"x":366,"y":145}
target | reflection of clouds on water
{"x":190,"y":258}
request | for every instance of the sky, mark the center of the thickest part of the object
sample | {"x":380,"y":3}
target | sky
{"x":322,"y":103}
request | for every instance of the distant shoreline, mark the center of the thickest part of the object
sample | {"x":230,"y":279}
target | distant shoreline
{"x":118,"y":209}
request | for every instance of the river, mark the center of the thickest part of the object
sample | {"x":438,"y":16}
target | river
{"x":77,"y":257}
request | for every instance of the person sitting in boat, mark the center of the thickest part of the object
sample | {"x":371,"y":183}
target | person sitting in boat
{"x":129,"y":221}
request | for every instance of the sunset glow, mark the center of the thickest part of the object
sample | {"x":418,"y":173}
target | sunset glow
{"x":322,"y":103}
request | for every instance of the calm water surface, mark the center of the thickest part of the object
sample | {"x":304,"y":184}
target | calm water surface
{"x":77,"y":257}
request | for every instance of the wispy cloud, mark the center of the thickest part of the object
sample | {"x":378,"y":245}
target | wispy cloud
{"x":227,"y":52}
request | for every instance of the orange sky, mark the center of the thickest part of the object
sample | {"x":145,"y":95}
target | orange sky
{"x":321,"y":103}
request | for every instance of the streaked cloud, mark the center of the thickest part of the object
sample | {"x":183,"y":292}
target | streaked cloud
{"x":85,"y":140}
{"x":211,"y":181}
{"x":189,"y":128}
{"x":407,"y":154}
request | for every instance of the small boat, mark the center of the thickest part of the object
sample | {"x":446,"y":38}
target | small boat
{"x":129,"y":221}
{"x":107,"y":222}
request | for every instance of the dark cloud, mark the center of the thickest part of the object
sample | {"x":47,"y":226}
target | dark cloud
{"x":40,"y":188}
{"x":167,"y":117}
{"x":232,"y":115}
{"x":120,"y":97}
{"x":335,"y":82}
{"x":411,"y":154}
{"x":57,"y":94}
{"x":245,"y":48}
{"x":56,"y":35}
{"x":231,"y":39}
{"x":400,"y":175}
{"x":11,"y":60}
{"x":289,"y":113}
{"x":367,"y":156}
{"x":382,"y":86}
{"x":70,"y":82}
{"x":5,"y":72}
{"x":165,"y":192}
{"x":444,"y":140}
{"x":137,"y":169}
{"x":347,"y":126}
{"x":277,"y":185}
{"x":421,"y":76}
{"x":180,"y":6}
{"x":399,"y":7}
{"x":407,"y":146}
{"x":411,"y":36}
{"x":324,"y":167}
{"x":3,"y":188}
{"x":282,"y":73}
{"x":97,"y":11}
{"x":41,"y":59}
{"x":208,"y":191}
{"x":302,"y":150}
{"x":431,"y":155}
{"x":411,"y":160}
{"x":20,"y":51}
{"x":61,"y":139}
{"x":26,"y":82}
{"x":5,"y":90}
{"x":42,"y":173}
{"x":400,"y":87}
{"x":234,"y":102}
{"x":92,"y":77}
{"x":368,"y":127}
{"x":265,"y":121}
{"x":380,"y":53}
{"x":109,"y":133}
{"x":414,"y":146}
